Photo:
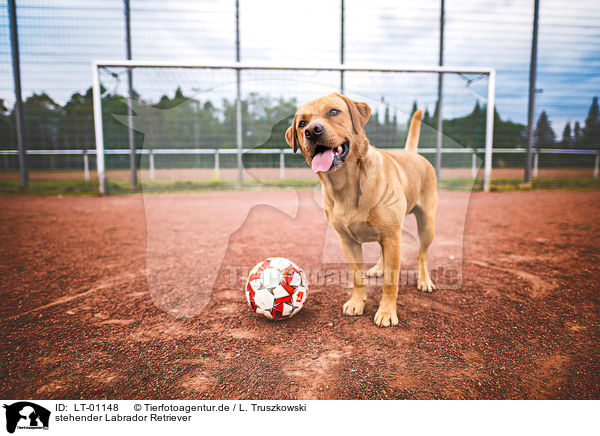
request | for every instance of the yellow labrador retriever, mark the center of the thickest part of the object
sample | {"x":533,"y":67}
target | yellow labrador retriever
{"x":367,"y":192}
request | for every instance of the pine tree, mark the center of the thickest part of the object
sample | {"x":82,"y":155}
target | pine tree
{"x":577,"y":133}
{"x":591,"y":130}
{"x":544,"y":135}
{"x":567,"y":138}
{"x":5,"y":130}
{"x":426,"y":117}
{"x":415,"y":107}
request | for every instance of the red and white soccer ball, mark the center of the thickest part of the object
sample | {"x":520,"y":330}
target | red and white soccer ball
{"x":276,"y":288}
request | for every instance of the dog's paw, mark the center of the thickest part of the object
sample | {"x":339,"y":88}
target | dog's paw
{"x":425,"y":284}
{"x":386,"y":317}
{"x":375,"y":271}
{"x":353,"y":307}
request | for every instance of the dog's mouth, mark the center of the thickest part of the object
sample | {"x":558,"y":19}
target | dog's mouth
{"x":326,"y":159}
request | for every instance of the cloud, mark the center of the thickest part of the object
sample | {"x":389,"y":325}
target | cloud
{"x":59,"y":42}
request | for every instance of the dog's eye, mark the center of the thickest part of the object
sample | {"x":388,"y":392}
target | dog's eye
{"x":302,"y":123}
{"x":333,"y":112}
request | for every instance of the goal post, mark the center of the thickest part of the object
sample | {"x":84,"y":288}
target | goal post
{"x":383,"y":87}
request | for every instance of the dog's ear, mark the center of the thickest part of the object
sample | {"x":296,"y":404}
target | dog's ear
{"x":290,"y":136}
{"x":360,"y":112}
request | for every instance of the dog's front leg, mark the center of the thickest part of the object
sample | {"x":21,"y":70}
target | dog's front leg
{"x":353,"y":251}
{"x":387,"y":313}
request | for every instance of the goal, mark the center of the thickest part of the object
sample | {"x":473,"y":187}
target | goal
{"x":229,"y":119}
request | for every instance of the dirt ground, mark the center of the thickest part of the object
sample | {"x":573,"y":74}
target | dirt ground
{"x":82,"y":317}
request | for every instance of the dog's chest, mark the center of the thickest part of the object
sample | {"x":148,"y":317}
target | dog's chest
{"x":353,"y":224}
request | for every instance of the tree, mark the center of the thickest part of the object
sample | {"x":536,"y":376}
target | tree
{"x":508,"y":134}
{"x":77,"y":127}
{"x":175,"y":121}
{"x":468,"y":131}
{"x":415,"y":107}
{"x":591,"y":130}
{"x":5,"y":127}
{"x":42,"y":117}
{"x":426,"y":117}
{"x":577,"y":133}
{"x":427,"y":131}
{"x":544,"y":135}
{"x":567,"y":137}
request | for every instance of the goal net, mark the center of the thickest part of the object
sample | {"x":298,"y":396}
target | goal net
{"x":189,"y":127}
{"x":226,"y":124}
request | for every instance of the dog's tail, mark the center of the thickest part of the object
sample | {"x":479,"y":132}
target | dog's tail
{"x":412,"y":140}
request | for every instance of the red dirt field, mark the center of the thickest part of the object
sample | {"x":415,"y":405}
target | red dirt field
{"x":79,"y":318}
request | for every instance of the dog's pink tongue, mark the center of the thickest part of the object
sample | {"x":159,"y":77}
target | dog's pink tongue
{"x":322,"y":161}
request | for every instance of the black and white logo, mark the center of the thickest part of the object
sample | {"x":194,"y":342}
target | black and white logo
{"x":26,"y":415}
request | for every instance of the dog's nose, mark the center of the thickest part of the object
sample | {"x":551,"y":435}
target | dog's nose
{"x":313,"y":131}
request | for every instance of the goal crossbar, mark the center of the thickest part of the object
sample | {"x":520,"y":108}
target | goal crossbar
{"x":240,"y":66}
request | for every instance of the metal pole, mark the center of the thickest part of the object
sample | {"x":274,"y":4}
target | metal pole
{"x":197,"y":125}
{"x":281,"y":164}
{"x":532,"y":75}
{"x":86,"y":165}
{"x":16,"y":64}
{"x":238,"y":112}
{"x":151,"y":164}
{"x":237,"y":31}
{"x":238,"y":129}
{"x":342,"y":46}
{"x":489,"y":130}
{"x":536,"y":162}
{"x":132,"y":156}
{"x":596,"y":164}
{"x":217,"y":165}
{"x":98,"y":130}
{"x":438,"y":156}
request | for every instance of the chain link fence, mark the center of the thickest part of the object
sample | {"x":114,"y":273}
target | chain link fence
{"x":58,"y":39}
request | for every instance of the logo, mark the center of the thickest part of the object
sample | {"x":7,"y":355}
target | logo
{"x":26,"y":415}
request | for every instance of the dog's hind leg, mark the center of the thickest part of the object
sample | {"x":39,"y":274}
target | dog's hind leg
{"x":426,"y":225}
{"x":377,"y":269}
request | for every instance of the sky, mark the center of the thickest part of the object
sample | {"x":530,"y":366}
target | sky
{"x":59,"y":39}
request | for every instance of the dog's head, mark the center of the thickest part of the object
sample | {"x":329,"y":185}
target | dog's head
{"x":329,"y":131}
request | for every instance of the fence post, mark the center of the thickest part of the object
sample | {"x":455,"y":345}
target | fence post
{"x":217,"y":164}
{"x":86,"y":166}
{"x":281,"y":164}
{"x":474,"y":164}
{"x":151,"y":164}
{"x":99,"y":134}
{"x":489,"y":131}
{"x":596,"y":164}
{"x":238,"y":129}
{"x":18,"y":108}
{"x":440,"y":95}
{"x":536,"y":163}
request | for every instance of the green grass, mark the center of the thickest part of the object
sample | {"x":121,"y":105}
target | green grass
{"x":75,"y":187}
{"x":502,"y":185}
{"x":545,"y":184}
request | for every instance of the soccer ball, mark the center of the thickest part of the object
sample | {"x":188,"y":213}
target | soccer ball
{"x":276,"y":288}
